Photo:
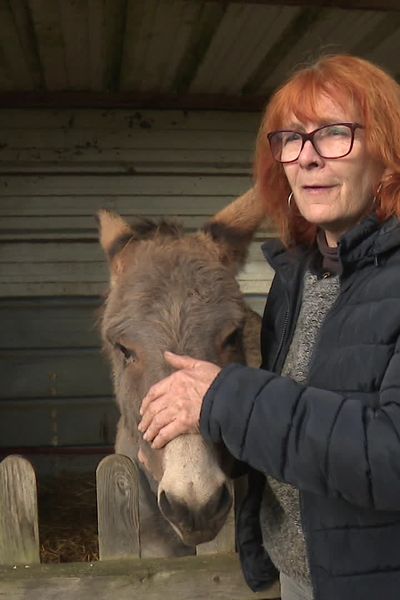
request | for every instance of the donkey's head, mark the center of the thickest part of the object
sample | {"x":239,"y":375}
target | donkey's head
{"x":178,"y":292}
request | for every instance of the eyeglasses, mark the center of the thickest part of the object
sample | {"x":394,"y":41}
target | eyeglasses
{"x":329,"y":141}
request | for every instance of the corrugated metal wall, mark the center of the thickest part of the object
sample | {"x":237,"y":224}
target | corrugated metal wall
{"x":56,"y":169}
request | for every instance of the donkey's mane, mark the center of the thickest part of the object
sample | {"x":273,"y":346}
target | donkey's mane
{"x":145,"y":229}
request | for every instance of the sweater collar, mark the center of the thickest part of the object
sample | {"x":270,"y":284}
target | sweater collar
{"x":330,"y":259}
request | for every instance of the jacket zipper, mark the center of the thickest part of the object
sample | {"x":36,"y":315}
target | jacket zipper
{"x":282,"y":339}
{"x":291,"y":308}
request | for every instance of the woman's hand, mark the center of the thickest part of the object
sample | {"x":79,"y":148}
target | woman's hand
{"x":172,"y":406}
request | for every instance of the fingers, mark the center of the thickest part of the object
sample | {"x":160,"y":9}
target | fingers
{"x":163,"y":386}
{"x":172,"y":406}
{"x":153,"y":421}
{"x":156,"y":391}
{"x":168,"y":433}
{"x":180,"y":361}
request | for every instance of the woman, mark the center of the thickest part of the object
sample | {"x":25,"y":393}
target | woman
{"x":321,"y":418}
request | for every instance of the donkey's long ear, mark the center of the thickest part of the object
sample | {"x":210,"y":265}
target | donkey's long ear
{"x":234,"y":226}
{"x":114,"y":234}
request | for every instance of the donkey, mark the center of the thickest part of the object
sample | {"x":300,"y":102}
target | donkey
{"x":175,"y":291}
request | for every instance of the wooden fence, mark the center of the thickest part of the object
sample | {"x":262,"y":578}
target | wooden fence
{"x":119,"y":574}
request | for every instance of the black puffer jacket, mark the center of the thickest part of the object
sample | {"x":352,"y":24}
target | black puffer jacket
{"x":336,"y":439}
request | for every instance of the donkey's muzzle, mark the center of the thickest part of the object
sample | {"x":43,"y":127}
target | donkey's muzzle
{"x":196,"y":524}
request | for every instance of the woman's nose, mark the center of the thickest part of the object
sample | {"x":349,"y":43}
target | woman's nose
{"x":309,"y":155}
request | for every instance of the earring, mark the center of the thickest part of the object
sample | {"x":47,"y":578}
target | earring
{"x":289,"y":200}
{"x":377,"y":192}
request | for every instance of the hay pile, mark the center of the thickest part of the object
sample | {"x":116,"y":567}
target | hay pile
{"x":68,"y":519}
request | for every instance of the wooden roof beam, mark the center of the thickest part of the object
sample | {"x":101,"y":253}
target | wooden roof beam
{"x":130,"y":100}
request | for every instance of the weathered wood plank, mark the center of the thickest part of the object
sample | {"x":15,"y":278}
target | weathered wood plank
{"x":48,"y":289}
{"x":64,"y":236}
{"x":70,"y":279}
{"x":132,"y":205}
{"x":75,"y":251}
{"x":42,"y":322}
{"x":97,"y":49}
{"x":120,"y":120}
{"x":74,"y":19}
{"x":140,"y":17}
{"x":26,"y":35}
{"x":76,"y":223}
{"x":89,"y":271}
{"x":34,"y":323}
{"x":36,"y":289}
{"x":129,"y":184}
{"x":142,"y":138}
{"x":126,"y":160}
{"x":19,"y":532}
{"x":25,"y":289}
{"x":34,"y":227}
{"x":113,"y":17}
{"x":46,"y":20}
{"x":157,"y":43}
{"x":118,"y":508}
{"x":56,"y":373}
{"x":198,"y":578}
{"x":43,"y":272}
{"x":257,"y":28}
{"x":12,"y":50}
{"x":58,"y":422}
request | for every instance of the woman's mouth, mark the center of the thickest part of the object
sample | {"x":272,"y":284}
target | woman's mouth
{"x":318,"y":189}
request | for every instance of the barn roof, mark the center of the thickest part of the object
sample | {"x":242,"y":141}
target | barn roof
{"x":179,"y":53}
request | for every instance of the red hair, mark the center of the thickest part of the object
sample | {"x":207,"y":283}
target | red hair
{"x":353,"y":83}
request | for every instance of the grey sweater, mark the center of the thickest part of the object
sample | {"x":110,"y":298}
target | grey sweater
{"x":280,"y":510}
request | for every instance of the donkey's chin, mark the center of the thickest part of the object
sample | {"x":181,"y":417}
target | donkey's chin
{"x":193,"y":538}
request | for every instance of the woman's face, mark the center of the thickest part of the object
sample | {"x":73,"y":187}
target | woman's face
{"x":333,"y":193}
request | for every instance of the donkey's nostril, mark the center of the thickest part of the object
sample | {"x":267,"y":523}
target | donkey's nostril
{"x":196,"y":522}
{"x":172,"y":509}
{"x":164,"y":504}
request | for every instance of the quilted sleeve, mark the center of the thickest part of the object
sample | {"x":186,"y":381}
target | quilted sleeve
{"x":317,"y":440}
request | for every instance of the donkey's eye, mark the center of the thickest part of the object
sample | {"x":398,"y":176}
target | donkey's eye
{"x":129,"y":355}
{"x":233,"y":339}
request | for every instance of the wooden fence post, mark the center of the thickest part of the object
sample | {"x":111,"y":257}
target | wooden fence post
{"x":19,"y":531}
{"x":118,"y":507}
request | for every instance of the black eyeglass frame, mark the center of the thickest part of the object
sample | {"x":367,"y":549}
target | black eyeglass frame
{"x":310,"y":137}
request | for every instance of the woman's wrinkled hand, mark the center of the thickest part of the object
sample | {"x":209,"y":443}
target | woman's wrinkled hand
{"x":172,"y":406}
